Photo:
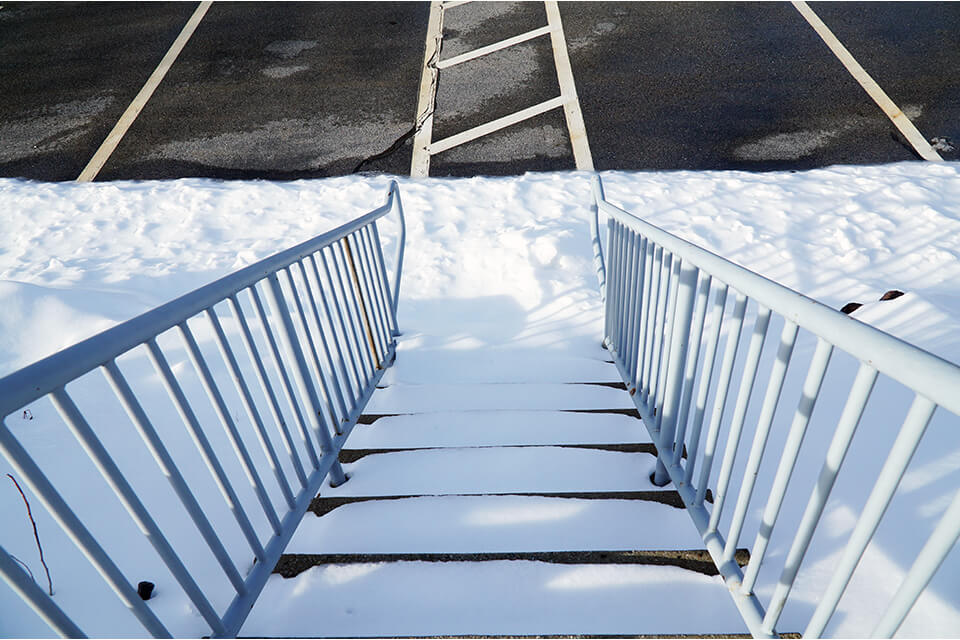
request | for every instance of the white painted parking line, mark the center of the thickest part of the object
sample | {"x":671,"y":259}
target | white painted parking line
{"x":424,"y":147}
{"x":878,"y":95}
{"x":116,"y":134}
{"x":568,"y":90}
{"x":497,"y":46}
{"x":427,"y":101}
{"x":494,"y":125}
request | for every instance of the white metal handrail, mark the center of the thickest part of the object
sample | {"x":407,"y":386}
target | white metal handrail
{"x":656,"y":288}
{"x":330,"y":335}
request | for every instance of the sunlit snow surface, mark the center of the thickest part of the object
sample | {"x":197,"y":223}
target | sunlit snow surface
{"x":498,"y":286}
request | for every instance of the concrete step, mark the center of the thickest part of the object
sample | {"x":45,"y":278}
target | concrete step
{"x":443,"y":366}
{"x":478,"y":470}
{"x":292,"y":565}
{"x":409,"y":398}
{"x":465,"y":428}
{"x":495,"y":597}
{"x":352,"y":455}
{"x":501,"y":497}
{"x":496,"y":523}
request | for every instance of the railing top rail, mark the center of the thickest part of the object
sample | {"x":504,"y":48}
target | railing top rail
{"x":40,"y":378}
{"x":929,"y":375}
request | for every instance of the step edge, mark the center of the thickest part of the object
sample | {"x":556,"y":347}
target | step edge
{"x":290,"y":565}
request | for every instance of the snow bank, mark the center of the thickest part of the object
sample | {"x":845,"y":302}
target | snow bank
{"x":493,"y":264}
{"x":515,"y":248}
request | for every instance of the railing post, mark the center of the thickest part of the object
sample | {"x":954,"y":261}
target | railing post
{"x":913,"y":428}
{"x":39,"y":600}
{"x":401,"y":241}
{"x":930,"y":558}
{"x":674,"y":379}
{"x":388,"y":294}
{"x":598,"y":197}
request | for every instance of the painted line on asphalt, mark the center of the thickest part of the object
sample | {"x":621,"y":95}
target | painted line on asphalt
{"x":899,"y":119}
{"x":424,"y":147}
{"x":568,"y":90}
{"x":497,"y":46}
{"x":116,"y":134}
{"x":427,"y":100}
{"x":494,"y":125}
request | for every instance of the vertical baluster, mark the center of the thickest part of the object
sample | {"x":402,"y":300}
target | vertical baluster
{"x":203,"y":444}
{"x":364,"y":295}
{"x":380,"y":300}
{"x":254,"y":354}
{"x":336,"y":383}
{"x":339,"y":344}
{"x":637,"y":347}
{"x":170,"y":469}
{"x":666,"y":342}
{"x":379,"y":320}
{"x":934,"y":552}
{"x":723,"y":389}
{"x":301,"y":375}
{"x":25,"y":468}
{"x":312,"y":346}
{"x":213,"y":393}
{"x":339,"y":303}
{"x":659,"y":331}
{"x":652,"y":275}
{"x":622,"y":291}
{"x":690,"y":367}
{"x":261,"y":431}
{"x":617,"y":283}
{"x":359,"y":291}
{"x":42,"y":604}
{"x":629,"y":299}
{"x":352,"y":309}
{"x":291,"y":395}
{"x":739,"y":414}
{"x":706,"y":375}
{"x":788,"y":338}
{"x":836,"y":452}
{"x":388,"y":295}
{"x":598,"y":196}
{"x":801,"y":418}
{"x":611,"y":269}
{"x":683,"y":311}
{"x":131,"y":502}
{"x":397,"y":205}
{"x":637,"y":310}
{"x":894,"y":467}
{"x":651,"y":296}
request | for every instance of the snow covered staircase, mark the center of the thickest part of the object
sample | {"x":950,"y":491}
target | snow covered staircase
{"x":496,"y":492}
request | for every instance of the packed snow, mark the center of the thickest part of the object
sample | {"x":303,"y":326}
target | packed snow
{"x":498,"y":266}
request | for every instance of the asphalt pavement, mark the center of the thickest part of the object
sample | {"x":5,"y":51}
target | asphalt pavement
{"x":752,"y":86}
{"x":299,"y":90}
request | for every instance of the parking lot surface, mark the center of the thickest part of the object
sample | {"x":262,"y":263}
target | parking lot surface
{"x":300,"y":90}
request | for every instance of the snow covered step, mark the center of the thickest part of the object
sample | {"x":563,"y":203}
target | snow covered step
{"x":292,"y":565}
{"x":453,"y":429}
{"x":441,"y":366}
{"x":407,"y":398}
{"x":502,"y":597}
{"x":474,"y":470}
{"x":496,"y":523}
{"x":353,"y":455}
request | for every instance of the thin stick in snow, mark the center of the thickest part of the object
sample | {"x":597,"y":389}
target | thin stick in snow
{"x":36,"y":536}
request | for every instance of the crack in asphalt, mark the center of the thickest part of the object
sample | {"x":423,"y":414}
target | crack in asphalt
{"x":421,"y":120}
